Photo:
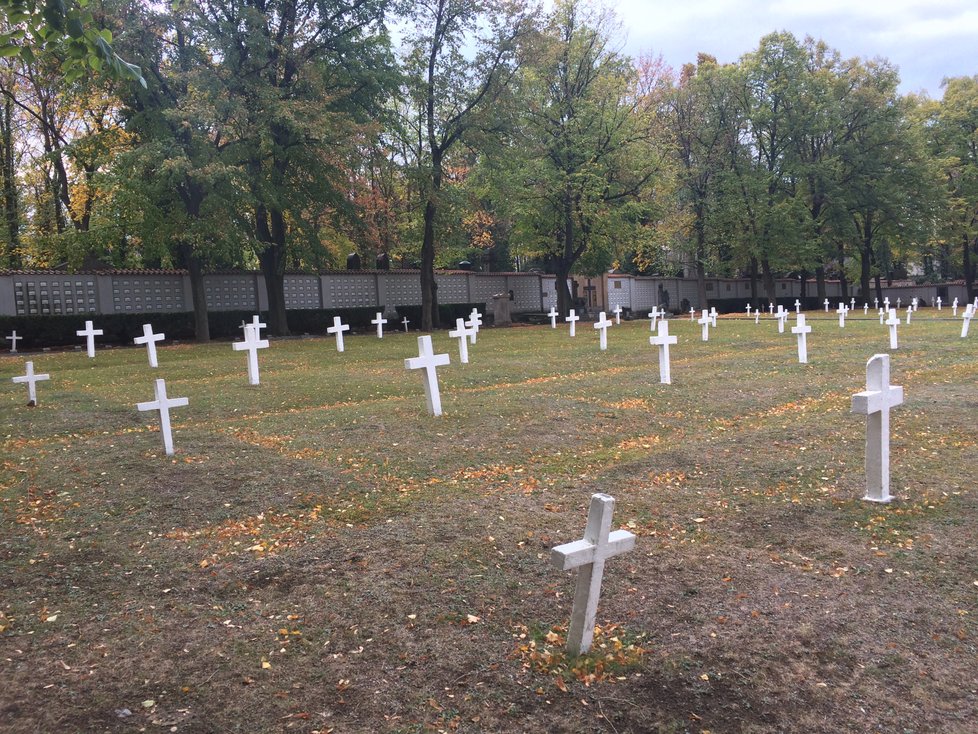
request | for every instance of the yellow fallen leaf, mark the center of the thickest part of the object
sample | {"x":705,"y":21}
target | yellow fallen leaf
{"x":265,"y":665}
{"x":472,"y":619}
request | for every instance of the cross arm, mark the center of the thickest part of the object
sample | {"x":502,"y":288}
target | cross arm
{"x":581,"y":552}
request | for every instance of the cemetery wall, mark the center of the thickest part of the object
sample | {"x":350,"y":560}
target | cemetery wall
{"x":50,"y":293}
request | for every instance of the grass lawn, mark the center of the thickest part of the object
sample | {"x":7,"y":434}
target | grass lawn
{"x":322,"y":555}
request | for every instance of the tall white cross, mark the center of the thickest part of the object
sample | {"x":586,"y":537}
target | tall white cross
{"x":654,"y":316}
{"x":826,"y":303}
{"x":797,"y":306}
{"x":379,"y":320}
{"x":748,"y":310}
{"x":909,"y":311}
{"x":13,"y":339}
{"x":90,"y":332}
{"x":474,"y":323}
{"x":405,"y":322}
{"x":428,"y":361}
{"x":802,"y":330}
{"x":865,"y":309}
{"x":602,"y":325}
{"x":31,"y":379}
{"x":713,"y":316}
{"x":882,"y":317}
{"x":461,"y":333}
{"x":886,"y":303}
{"x":257,"y":323}
{"x":875,"y":404}
{"x":572,"y":318}
{"x":969,"y":313}
{"x":842,"y":311}
{"x":163,"y":404}
{"x":692,"y":314}
{"x":757,"y":315}
{"x":771,"y":307}
{"x":939,"y":302}
{"x":252,"y":344}
{"x":589,"y":555}
{"x":553,"y":317}
{"x":149,"y":339}
{"x":899,"y":300}
{"x":617,"y":312}
{"x":954,"y":307}
{"x":663,"y":340}
{"x":705,"y":322}
{"x":915,"y":302}
{"x":338,"y":328}
{"x":893,"y":322}
{"x":876,"y":302}
{"x":852,"y":303}
{"x":781,"y":316}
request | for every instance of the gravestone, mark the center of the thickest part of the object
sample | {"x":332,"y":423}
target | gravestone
{"x":886,"y":304}
{"x":748,"y":310}
{"x":31,"y":379}
{"x":771,"y":307}
{"x":797,"y":306}
{"x":713,"y":316}
{"x":461,"y":332}
{"x":969,"y":313}
{"x":338,"y":328}
{"x":882,"y":317}
{"x":954,"y":308}
{"x":405,"y":322}
{"x":781,"y":316}
{"x":429,"y":362}
{"x":90,"y":332}
{"x":893,"y":322}
{"x":474,"y":323}
{"x":163,"y":405}
{"x":553,"y":317}
{"x":842,"y":311}
{"x":939,"y":302}
{"x":572,"y":318}
{"x":865,"y":309}
{"x":705,"y":322}
{"x":617,"y":312}
{"x":692,"y":314}
{"x":257,"y":323}
{"x":852,"y":303}
{"x":149,"y":339}
{"x":899,"y":302}
{"x":654,"y":315}
{"x":875,"y":403}
{"x":802,"y":330}
{"x":252,"y":343}
{"x":379,"y":320}
{"x":757,"y":315}
{"x":876,"y":303}
{"x":602,"y":325}
{"x":589,"y":556}
{"x":826,"y":303}
{"x":909,"y":311}
{"x":915,"y":303}
{"x":13,"y":339}
{"x":501,"y":309}
{"x":663,"y":340}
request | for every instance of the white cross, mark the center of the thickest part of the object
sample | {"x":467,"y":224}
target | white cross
{"x":461,"y":333}
{"x":748,"y":310}
{"x":692,"y":314}
{"x":882,"y":317}
{"x":405,"y":322}
{"x":617,"y":312}
{"x":13,"y":339}
{"x":886,"y":303}
{"x":909,"y":311}
{"x":826,"y":302}
{"x":474,"y":323}
{"x":771,"y":307}
{"x":602,"y":325}
{"x":338,"y":328}
{"x":969,"y":313}
{"x":553,"y":317}
{"x":974,"y":306}
{"x":954,"y":307}
{"x":782,"y":316}
{"x":572,"y":318}
{"x":663,"y":340}
{"x":379,"y":320}
{"x":802,"y":330}
{"x":865,"y":309}
{"x":654,"y":316}
{"x":31,"y":379}
{"x":797,"y":306}
{"x":898,"y":302}
{"x":149,"y":339}
{"x":875,"y":404}
{"x":842,"y":311}
{"x":893,"y":322}
{"x":757,"y":315}
{"x":252,"y":344}
{"x":428,"y":361}
{"x":876,"y":303}
{"x":713,"y":316}
{"x":915,"y":303}
{"x":939,"y":302}
{"x":90,"y":332}
{"x":705,"y":322}
{"x":258,"y":324}
{"x":163,"y":404}
{"x":852,"y":303}
{"x":589,"y":555}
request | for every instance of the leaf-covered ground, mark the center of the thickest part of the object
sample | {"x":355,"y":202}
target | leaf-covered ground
{"x":321,"y":555}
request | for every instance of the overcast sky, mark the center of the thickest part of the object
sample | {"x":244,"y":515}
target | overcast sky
{"x":926,"y":39}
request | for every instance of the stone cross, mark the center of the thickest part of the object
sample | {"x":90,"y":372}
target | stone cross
{"x":898,"y":302}
{"x":886,"y":303}
{"x":893,"y":322}
{"x":865,"y":309}
{"x":617,"y":312}
{"x":163,"y":404}
{"x":797,"y":306}
{"x":909,"y":311}
{"x":757,"y":315}
{"x":338,"y":328}
{"x":553,"y":317}
{"x":748,"y":310}
{"x":782,"y":316}
{"x":90,"y":332}
{"x":405,"y":322}
{"x":149,"y":339}
{"x":771,"y":307}
{"x":826,"y":302}
{"x":31,"y":379}
{"x":974,"y":306}
{"x":256,"y":322}
{"x":461,"y":333}
{"x":939,"y":302}
{"x":379,"y":320}
{"x":589,"y":555}
{"x":602,"y":325}
{"x":692,"y":314}
{"x":882,"y":317}
{"x":654,"y":315}
{"x":954,"y":307}
{"x":428,"y":361}
{"x":876,"y":303}
{"x":969,"y":313}
{"x":572,"y":318}
{"x":13,"y":339}
{"x":915,"y":302}
{"x":251,"y":344}
{"x":842,"y":311}
{"x":713,"y":316}
{"x":474,"y":323}
{"x":852,"y":303}
{"x":663,"y":340}
{"x":802,"y":330}
{"x":875,"y":404}
{"x":705,"y":323}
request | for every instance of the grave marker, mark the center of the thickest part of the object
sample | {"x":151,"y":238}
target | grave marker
{"x":654,"y":315}
{"x":865,"y":309}
{"x":705,"y":323}
{"x":954,"y":308}
{"x":602,"y":325}
{"x":909,"y":311}
{"x":826,"y":303}
{"x":617,"y":312}
{"x":31,"y":379}
{"x":748,"y":310}
{"x":252,"y":344}
{"x":338,"y":328}
{"x":797,"y":306}
{"x":893,"y":322}
{"x":553,"y":317}
{"x":90,"y":332}
{"x":692,"y":314}
{"x":875,"y":403}
{"x":781,"y":316}
{"x":802,"y":330}
{"x":405,"y":322}
{"x":939,"y":302}
{"x":589,"y":556}
{"x":13,"y":339}
{"x":461,"y":333}
{"x":663,"y":340}
{"x":572,"y":318}
{"x":163,"y":405}
{"x":713,"y":316}
{"x":771,"y":307}
{"x":757,"y":315}
{"x":474,"y":323}
{"x":257,"y":323}
{"x":842,"y":311}
{"x":428,"y":361}
{"x":914,"y":302}
{"x":149,"y":339}
{"x":852,"y":303}
{"x":969,"y":313}
{"x":379,"y":320}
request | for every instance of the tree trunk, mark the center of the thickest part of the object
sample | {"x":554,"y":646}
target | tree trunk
{"x":753,"y":281}
{"x":865,"y":270}
{"x":191,"y":262}
{"x":803,"y":284}
{"x":8,"y":175}
{"x":767,"y":277}
{"x":969,"y":266}
{"x":843,"y":280}
{"x":429,"y":287}
{"x":820,"y":283}
{"x":271,"y":231}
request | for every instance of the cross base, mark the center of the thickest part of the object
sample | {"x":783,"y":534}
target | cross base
{"x":878,"y":500}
